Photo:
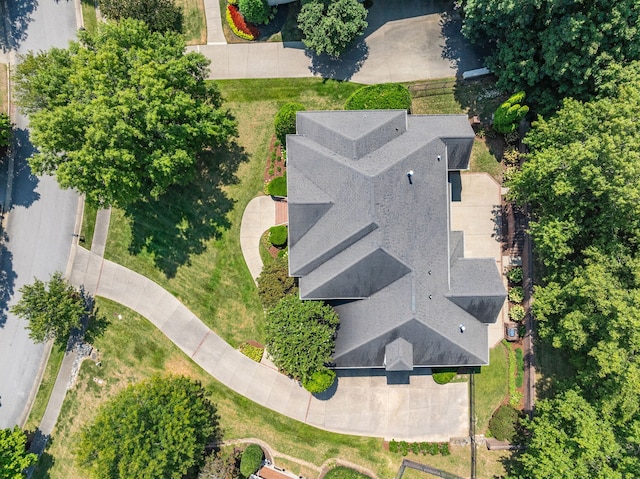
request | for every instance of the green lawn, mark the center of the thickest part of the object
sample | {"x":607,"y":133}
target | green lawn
{"x":44,"y":391}
{"x":89,"y":18}
{"x":88,"y":223}
{"x":194,"y":24}
{"x":491,"y":387}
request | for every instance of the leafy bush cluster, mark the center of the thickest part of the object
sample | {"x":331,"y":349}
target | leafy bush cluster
{"x":251,"y":459}
{"x":159,"y":15}
{"x":5,"y":130}
{"x":511,"y":156}
{"x":301,"y":336}
{"x":285,"y":120}
{"x":239,"y":26}
{"x":277,"y":186}
{"x":278,"y":235}
{"x":516,"y":294}
{"x":424,"y":448}
{"x":255,"y":11}
{"x":220,"y":465}
{"x":443,"y":376}
{"x":252,"y":352}
{"x":319,"y":381}
{"x":516,"y":313}
{"x":515,"y":275}
{"x":330,"y":26}
{"x":274,"y":283}
{"x":508,"y":115}
{"x":385,"y":96}
{"x":342,"y":472}
{"x":504,"y":423}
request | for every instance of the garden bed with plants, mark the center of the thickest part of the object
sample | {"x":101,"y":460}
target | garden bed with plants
{"x":259,"y":22}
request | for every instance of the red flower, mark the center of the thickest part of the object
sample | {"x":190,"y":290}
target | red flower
{"x":241,"y":24}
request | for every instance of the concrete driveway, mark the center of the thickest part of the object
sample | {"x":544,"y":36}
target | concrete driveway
{"x":406,"y":40}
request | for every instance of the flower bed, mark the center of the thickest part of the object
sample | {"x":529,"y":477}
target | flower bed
{"x":239,"y":26}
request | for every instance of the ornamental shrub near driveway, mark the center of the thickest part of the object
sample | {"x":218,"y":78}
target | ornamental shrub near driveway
{"x":239,"y":26}
{"x":278,"y":235}
{"x":285,"y":121}
{"x":254,"y":11}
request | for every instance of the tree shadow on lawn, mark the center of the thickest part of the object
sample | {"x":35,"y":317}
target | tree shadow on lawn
{"x":179,"y":223}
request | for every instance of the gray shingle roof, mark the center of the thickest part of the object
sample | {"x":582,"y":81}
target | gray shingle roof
{"x":376,"y":242}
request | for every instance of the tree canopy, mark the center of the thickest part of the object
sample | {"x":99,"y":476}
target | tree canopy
{"x":301,"y":335}
{"x":122,"y":114}
{"x":53,"y":309}
{"x":156,"y":428}
{"x":14,"y":457}
{"x":552,"y":49}
{"x":329,"y":26}
{"x":159,"y":15}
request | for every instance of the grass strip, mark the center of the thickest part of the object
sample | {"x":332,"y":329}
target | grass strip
{"x":46,"y":387}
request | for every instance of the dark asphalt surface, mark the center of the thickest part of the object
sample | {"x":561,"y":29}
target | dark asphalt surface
{"x":40,"y":222}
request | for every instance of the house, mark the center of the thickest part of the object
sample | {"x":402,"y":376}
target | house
{"x":369,"y":232}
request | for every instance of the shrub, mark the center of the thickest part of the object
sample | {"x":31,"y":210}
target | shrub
{"x":319,"y":381}
{"x":285,"y":120}
{"x":443,"y":376}
{"x":274,"y":283}
{"x":385,"y":96}
{"x":239,"y":26}
{"x":515,"y":275}
{"x":251,"y":459}
{"x":254,"y":11}
{"x":516,"y":294}
{"x":510,"y":113}
{"x":277,"y":186}
{"x":511,"y":157}
{"x":252,"y":352}
{"x":403,"y":448}
{"x":393,"y":446}
{"x":516,"y":313}
{"x":278,"y":235}
{"x":5,"y":130}
{"x":433,"y":448}
{"x":520,"y":371}
{"x":503,"y":424}
{"x":444,"y":449}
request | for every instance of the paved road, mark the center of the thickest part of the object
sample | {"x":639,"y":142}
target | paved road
{"x":41,"y":220}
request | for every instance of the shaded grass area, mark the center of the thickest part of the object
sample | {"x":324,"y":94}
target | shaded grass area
{"x":194,"y":23}
{"x":491,"y":387}
{"x":483,"y":160}
{"x":46,"y":387}
{"x":4,"y":91}
{"x":88,"y":223}
{"x":89,"y":18}
{"x":189,"y":241}
{"x":552,"y":367}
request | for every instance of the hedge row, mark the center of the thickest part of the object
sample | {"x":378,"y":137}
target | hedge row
{"x":424,"y":448}
{"x":239,"y":26}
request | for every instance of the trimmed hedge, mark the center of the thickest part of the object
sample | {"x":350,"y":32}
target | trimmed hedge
{"x":516,"y":313}
{"x":508,"y":115}
{"x":516,"y":294}
{"x":278,"y":235}
{"x":385,"y":96}
{"x":319,"y":381}
{"x":277,"y":186}
{"x":515,"y":275}
{"x":239,"y":26}
{"x":285,"y":120}
{"x":424,"y":448}
{"x":504,"y":423}
{"x":251,"y":459}
{"x":443,"y":376}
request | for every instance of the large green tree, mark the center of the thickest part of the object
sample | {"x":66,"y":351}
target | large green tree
{"x":159,"y":15}
{"x":572,"y":440}
{"x":53,"y":309}
{"x":553,"y":49}
{"x":301,"y":335}
{"x":329,"y":26}
{"x":582,"y":178}
{"x":122,"y":114}
{"x":156,"y":428}
{"x":14,"y":457}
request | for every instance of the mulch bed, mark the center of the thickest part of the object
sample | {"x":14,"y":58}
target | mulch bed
{"x":274,"y":161}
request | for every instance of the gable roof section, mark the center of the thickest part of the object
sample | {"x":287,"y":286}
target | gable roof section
{"x":377,"y":244}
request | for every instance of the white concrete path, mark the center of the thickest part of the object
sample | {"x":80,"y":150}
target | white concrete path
{"x":258,"y":217}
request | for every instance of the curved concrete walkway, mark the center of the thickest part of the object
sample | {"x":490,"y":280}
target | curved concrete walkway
{"x":363,"y":403}
{"x":258,"y":216}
